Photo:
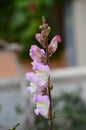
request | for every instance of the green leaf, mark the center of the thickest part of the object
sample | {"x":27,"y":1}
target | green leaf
{"x":30,"y":30}
{"x":21,"y":3}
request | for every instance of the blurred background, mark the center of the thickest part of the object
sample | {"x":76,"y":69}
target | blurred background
{"x":19,"y":21}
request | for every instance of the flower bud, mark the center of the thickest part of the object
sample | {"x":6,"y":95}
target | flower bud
{"x":45,"y":33}
{"x":54,"y":44}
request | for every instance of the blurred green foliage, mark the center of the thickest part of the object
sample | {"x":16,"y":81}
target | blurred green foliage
{"x":70,"y":111}
{"x":20,"y":19}
{"x":18,"y":109}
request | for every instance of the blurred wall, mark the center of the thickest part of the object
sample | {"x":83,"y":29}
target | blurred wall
{"x":8,"y":67}
{"x":79,"y":30}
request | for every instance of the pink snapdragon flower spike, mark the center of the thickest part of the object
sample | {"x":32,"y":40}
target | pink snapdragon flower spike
{"x":39,"y":79}
{"x":36,"y":53}
{"x":42,"y":105}
{"x":54,"y":44}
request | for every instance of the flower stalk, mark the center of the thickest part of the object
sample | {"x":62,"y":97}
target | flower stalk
{"x":49,"y":89}
{"x":40,"y":84}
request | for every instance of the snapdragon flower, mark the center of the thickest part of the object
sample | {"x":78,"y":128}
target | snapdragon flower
{"x":37,"y":83}
{"x":41,"y":74}
{"x":42,"y":105}
{"x":42,"y":71}
{"x":36,"y":53}
{"x":40,"y":67}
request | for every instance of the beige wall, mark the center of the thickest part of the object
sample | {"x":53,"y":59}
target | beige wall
{"x":8,"y":66}
{"x":79,"y":20}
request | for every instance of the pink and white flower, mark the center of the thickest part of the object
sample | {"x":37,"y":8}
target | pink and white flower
{"x":42,"y":105}
{"x":42,"y":71}
{"x":36,"y":53}
{"x":37,"y":84}
{"x":39,"y":78}
{"x":41,"y":68}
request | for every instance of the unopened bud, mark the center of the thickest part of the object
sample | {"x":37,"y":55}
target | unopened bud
{"x":43,"y":19}
{"x":54,"y":44}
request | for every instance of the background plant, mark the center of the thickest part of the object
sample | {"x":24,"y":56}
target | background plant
{"x":19,"y":20}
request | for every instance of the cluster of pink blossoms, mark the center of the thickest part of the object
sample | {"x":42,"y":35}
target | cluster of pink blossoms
{"x":39,"y":77}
